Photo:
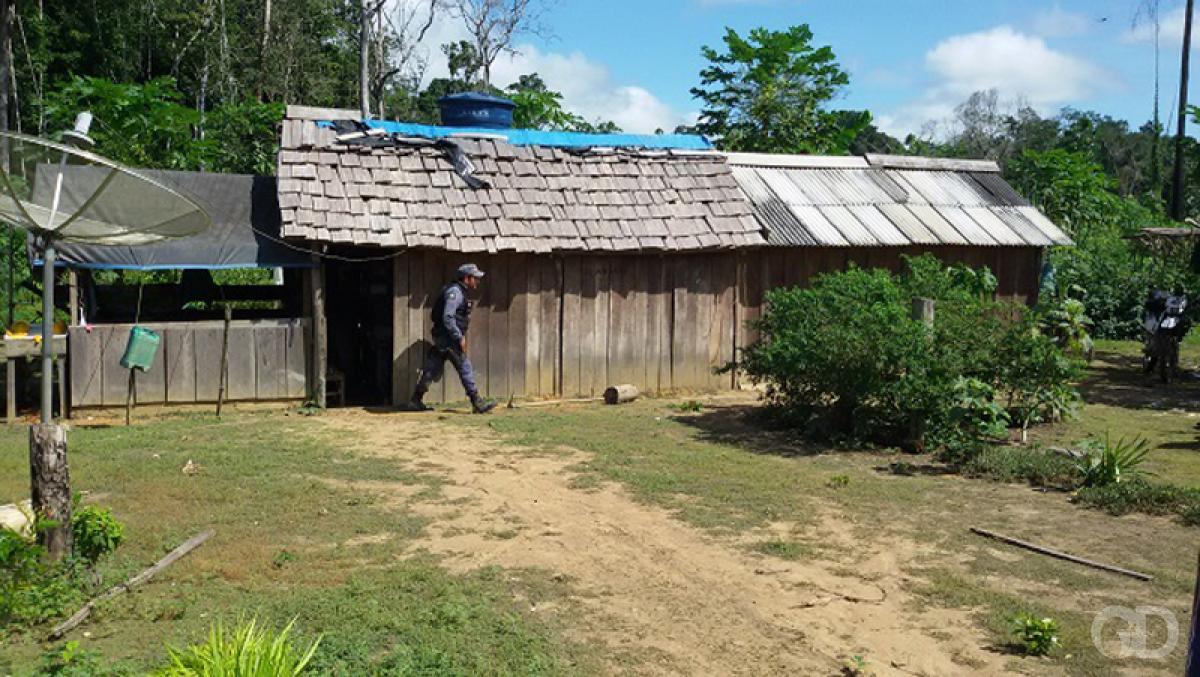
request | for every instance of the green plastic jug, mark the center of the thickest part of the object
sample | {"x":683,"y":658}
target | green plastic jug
{"x":139,"y":352}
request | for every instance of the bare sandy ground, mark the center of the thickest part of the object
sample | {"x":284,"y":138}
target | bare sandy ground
{"x":659,"y":596}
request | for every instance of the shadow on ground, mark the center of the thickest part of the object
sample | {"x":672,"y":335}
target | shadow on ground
{"x":1117,"y":380}
{"x":747,"y":427}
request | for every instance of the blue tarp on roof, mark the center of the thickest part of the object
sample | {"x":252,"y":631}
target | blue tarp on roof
{"x":533,"y":137}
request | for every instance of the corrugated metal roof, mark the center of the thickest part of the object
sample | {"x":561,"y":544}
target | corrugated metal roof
{"x":889,"y":202}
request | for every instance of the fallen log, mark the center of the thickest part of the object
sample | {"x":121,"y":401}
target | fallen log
{"x":1061,"y":555}
{"x":620,"y":394}
{"x":170,"y":558}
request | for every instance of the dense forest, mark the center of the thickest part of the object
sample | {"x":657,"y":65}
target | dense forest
{"x":201,"y":85}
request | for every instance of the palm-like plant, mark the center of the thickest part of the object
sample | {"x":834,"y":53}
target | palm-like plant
{"x":248,"y":651}
{"x":1109,"y":463}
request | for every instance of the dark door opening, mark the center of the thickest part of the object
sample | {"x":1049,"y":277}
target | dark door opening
{"x":359,"y":310}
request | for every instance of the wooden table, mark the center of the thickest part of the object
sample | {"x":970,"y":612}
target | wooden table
{"x":14,"y":348}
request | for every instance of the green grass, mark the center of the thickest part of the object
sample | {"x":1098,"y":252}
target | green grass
{"x":294,"y":539}
{"x":721,"y":470}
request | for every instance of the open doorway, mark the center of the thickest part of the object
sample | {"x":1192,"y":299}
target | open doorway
{"x":359,"y":311}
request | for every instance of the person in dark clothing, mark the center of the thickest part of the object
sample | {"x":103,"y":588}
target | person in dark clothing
{"x":451,"y":319}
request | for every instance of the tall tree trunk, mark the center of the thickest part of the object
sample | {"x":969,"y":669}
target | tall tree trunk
{"x":364,"y":58}
{"x":1177,"y":201}
{"x":264,"y":39}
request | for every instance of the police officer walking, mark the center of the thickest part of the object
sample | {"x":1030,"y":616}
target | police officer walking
{"x":451,"y":317}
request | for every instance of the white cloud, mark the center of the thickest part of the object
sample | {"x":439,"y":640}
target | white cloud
{"x":1057,"y":22}
{"x":1170,"y":29}
{"x":1019,"y":66}
{"x":588,"y":87}
{"x":589,"y":90}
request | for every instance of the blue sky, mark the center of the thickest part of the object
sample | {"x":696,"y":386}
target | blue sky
{"x":910,"y":62}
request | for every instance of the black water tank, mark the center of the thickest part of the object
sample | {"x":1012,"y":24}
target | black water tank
{"x":475,"y":109}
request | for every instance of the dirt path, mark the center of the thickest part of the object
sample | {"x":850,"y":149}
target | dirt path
{"x":676,"y":600}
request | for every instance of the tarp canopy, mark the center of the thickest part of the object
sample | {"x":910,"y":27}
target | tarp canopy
{"x":244,"y":232}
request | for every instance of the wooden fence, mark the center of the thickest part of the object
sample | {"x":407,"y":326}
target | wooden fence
{"x":267,"y":361}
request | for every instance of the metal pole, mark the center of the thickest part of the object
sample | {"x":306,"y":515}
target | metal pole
{"x":1177,"y":202}
{"x":48,"y":333}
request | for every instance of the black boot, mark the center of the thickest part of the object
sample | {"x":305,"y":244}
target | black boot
{"x":480,"y":405}
{"x":416,"y":403}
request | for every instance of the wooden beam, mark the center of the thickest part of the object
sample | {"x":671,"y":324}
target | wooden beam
{"x":320,"y":335}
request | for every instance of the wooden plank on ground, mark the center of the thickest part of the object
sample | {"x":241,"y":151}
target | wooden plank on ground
{"x":85,"y":367}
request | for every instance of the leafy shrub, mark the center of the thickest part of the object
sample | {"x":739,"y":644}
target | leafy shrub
{"x":248,"y":651}
{"x":974,"y":421}
{"x":1020,"y":464}
{"x":1108,"y":463}
{"x":96,"y":533}
{"x":844,"y":359}
{"x":69,"y":660}
{"x":1037,"y":636}
{"x":1066,"y":322}
{"x":1138,"y":495}
{"x":31,"y":590}
{"x":1035,"y":376}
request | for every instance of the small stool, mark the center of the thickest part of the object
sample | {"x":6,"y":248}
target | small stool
{"x":335,"y":387}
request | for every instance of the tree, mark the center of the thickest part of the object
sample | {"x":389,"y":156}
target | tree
{"x":493,"y":26}
{"x":768,"y":92}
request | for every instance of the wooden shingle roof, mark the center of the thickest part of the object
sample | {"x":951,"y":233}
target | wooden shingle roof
{"x":539,"y":199}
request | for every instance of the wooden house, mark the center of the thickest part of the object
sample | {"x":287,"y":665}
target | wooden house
{"x":610,"y":258}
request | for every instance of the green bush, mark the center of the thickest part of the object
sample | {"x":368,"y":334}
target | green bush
{"x":96,"y":533}
{"x":32,"y":591}
{"x":1021,"y":464}
{"x":1037,"y":636}
{"x":844,"y":358}
{"x":1139,"y":495}
{"x":248,"y":651}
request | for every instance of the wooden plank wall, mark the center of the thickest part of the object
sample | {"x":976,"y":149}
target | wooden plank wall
{"x":568,"y":326}
{"x":267,"y":360}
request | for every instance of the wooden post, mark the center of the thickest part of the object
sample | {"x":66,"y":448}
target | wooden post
{"x":50,"y":485}
{"x":72,"y":297}
{"x":130,"y":385}
{"x":320,"y":331}
{"x":224,"y":375}
{"x":10,"y":389}
{"x":923,"y":310}
{"x":60,"y":365}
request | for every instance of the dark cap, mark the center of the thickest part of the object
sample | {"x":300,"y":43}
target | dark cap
{"x":469,"y":270}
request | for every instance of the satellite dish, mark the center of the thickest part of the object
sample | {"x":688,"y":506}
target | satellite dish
{"x":64,"y":192}
{"x":59,"y":192}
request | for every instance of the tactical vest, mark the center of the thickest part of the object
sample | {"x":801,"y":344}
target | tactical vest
{"x":462,"y":316}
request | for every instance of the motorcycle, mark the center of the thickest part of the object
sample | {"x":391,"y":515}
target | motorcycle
{"x":1165,"y":322}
